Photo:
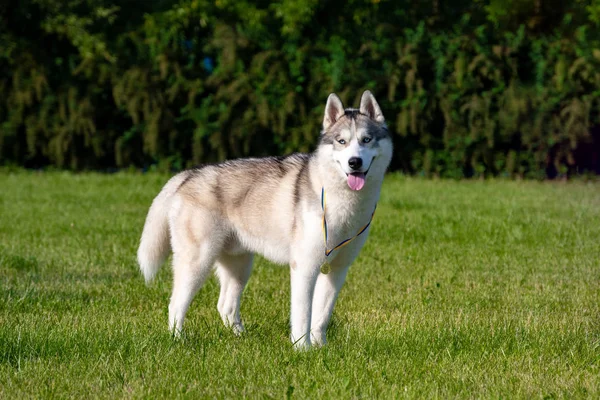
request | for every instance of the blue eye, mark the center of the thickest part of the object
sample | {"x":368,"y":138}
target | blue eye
{"x":366,"y":140}
{"x":341,"y":141}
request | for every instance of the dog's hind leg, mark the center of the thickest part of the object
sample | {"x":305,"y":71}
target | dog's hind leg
{"x":190,"y":271}
{"x":233,"y":272}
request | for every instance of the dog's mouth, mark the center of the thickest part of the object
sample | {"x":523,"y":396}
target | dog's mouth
{"x":356,"y":180}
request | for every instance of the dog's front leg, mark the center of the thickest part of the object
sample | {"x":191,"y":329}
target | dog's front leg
{"x":326,"y":292}
{"x":303,"y":278}
{"x":328,"y":287}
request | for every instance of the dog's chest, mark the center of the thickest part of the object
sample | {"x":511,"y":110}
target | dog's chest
{"x":344,"y":223}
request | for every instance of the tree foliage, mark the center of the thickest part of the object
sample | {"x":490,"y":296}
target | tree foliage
{"x":470,"y":88}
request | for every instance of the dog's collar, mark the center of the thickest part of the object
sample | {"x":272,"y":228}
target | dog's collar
{"x":324,"y":224}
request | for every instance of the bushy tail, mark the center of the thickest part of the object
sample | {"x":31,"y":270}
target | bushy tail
{"x":155,"y":242}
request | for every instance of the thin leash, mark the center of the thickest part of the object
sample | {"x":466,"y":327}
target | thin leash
{"x":345,"y":242}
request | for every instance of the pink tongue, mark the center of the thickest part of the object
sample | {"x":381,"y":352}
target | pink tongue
{"x":356,"y":180}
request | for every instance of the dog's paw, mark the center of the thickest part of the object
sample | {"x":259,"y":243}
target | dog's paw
{"x":176,"y":334}
{"x":318,"y":339}
{"x":238,"y":328}
{"x":302,"y":344}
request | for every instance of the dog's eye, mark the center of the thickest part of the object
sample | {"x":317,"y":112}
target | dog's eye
{"x":341,"y":141}
{"x":366,"y":140}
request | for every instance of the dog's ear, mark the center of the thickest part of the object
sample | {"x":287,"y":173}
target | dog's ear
{"x":369,"y":107}
{"x":333,"y":111}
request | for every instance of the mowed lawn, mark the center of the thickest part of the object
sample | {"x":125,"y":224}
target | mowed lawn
{"x":464,"y":290}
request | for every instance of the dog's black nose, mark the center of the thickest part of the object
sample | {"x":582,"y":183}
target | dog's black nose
{"x":355,"y":163}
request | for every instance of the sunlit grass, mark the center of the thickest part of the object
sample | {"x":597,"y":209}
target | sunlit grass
{"x":464,"y":289}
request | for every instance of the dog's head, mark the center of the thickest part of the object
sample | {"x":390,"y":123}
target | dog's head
{"x":357,"y":139}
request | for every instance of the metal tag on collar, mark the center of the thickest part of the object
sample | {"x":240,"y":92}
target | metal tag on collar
{"x":325,"y":268}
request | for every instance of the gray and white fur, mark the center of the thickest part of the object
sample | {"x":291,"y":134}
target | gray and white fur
{"x":218,"y":216}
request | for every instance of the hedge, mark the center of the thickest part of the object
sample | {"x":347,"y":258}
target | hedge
{"x":473,"y":88}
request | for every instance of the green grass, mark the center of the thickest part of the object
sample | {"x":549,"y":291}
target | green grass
{"x":464,"y":289}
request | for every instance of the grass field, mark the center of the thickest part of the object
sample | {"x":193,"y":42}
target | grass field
{"x":464,"y":289}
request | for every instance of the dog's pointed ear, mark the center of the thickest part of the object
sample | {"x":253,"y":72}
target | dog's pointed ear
{"x":334,"y":110}
{"x":369,"y":107}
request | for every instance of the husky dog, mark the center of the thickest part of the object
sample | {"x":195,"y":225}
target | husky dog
{"x":305,"y":210}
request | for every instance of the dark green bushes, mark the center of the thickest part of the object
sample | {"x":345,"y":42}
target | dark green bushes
{"x":471,"y":89}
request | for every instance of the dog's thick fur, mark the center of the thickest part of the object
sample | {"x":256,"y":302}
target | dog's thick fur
{"x":218,"y":216}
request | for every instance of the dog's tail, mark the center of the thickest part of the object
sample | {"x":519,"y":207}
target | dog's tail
{"x":155,"y":242}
